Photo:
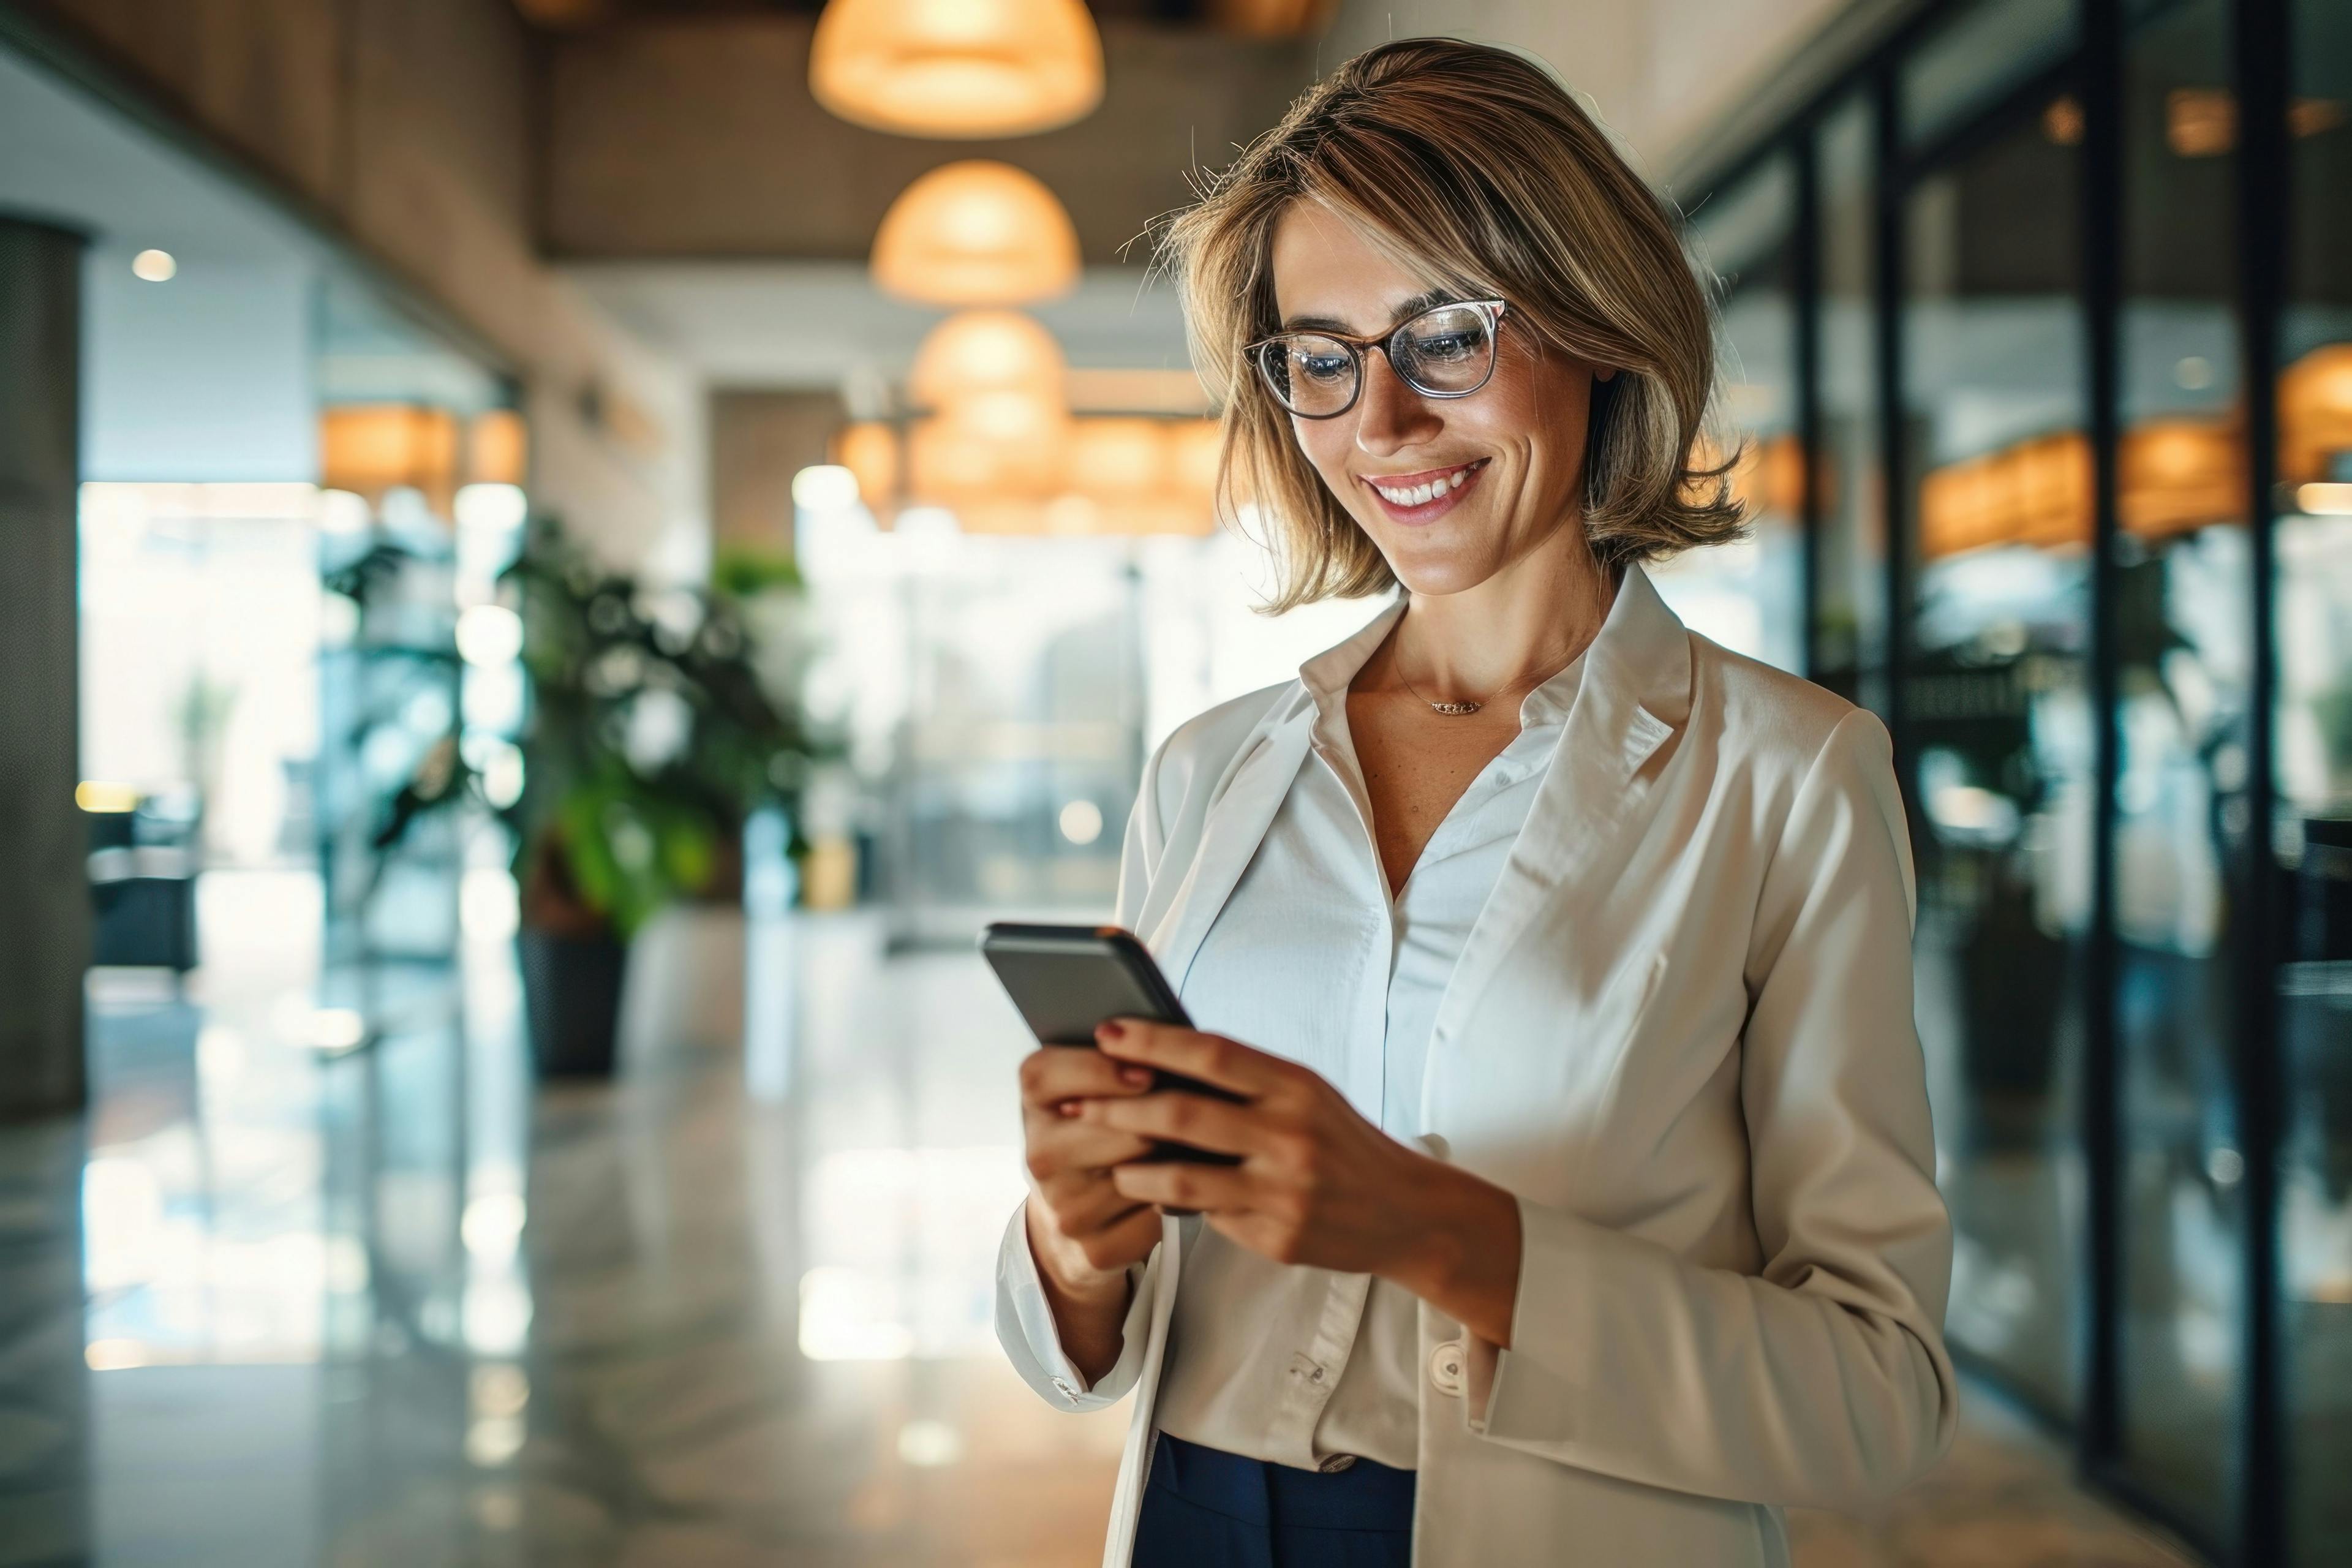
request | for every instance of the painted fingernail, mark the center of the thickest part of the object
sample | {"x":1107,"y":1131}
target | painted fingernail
{"x":1111,"y":1030}
{"x":1138,"y":1077}
{"x":1072,"y":1109}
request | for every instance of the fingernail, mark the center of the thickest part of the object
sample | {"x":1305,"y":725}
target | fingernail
{"x":1138,"y":1077}
{"x":1070,"y":1108}
{"x":1110,"y":1030}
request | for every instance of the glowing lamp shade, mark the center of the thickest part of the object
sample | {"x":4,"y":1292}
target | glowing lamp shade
{"x":2315,"y":413}
{"x":1117,"y":459}
{"x":976,"y":233}
{"x":978,"y":352}
{"x":957,"y":68}
{"x":869,"y":450}
{"x":2176,"y":475}
{"x":369,"y":449}
{"x":499,"y":449}
{"x":1002,"y":445}
{"x":1195,"y":449}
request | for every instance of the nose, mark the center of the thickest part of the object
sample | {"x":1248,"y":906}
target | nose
{"x":1391,"y":414}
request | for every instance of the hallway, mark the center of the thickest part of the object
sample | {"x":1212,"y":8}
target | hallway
{"x":292,"y":1297}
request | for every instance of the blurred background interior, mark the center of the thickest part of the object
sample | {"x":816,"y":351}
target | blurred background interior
{"x":562,"y":555}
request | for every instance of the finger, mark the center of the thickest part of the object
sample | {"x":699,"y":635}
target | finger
{"x":1177,"y":1184}
{"x":1128,"y":1240}
{"x":1181,"y":1118}
{"x":1212,"y":1058}
{"x":1054,"y":1073}
{"x":1058,"y":1144}
{"x":1082,"y":1203}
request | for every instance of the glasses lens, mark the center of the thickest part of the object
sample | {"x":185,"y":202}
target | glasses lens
{"x":1309,"y":373}
{"x":1451,"y":350}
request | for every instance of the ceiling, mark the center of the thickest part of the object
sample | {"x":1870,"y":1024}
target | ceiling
{"x":1253,"y":16}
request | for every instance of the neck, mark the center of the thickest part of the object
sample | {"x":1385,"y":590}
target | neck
{"x":1520,"y":626}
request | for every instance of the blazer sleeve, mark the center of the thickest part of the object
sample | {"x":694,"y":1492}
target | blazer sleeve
{"x":1822,"y":1380}
{"x":1024,"y":1319}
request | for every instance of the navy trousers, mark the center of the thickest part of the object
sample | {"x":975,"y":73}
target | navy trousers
{"x":1203,"y":1507}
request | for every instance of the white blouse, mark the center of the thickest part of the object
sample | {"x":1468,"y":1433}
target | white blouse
{"x":1313,"y":959}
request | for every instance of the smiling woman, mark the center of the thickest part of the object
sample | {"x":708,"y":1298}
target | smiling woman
{"x":1585,"y":256}
{"x":1553,"y":962}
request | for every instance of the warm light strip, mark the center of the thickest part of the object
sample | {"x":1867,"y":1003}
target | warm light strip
{"x":2323,"y":499}
{"x":104,"y":795}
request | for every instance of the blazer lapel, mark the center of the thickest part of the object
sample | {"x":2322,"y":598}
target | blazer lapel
{"x":1234,"y":826}
{"x":1242,"y":807}
{"x":1634,"y":697}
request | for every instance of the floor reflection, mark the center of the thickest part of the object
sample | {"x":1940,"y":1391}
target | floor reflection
{"x":320,"y":1281}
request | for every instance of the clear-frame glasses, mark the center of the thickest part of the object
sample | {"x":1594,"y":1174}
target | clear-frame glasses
{"x":1446,"y":351}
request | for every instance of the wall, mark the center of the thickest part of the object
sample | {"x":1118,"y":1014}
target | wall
{"x":45,"y":926}
{"x":207,"y":377}
{"x":404,"y":127}
{"x":759,"y":440}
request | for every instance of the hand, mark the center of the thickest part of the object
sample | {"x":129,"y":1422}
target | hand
{"x":1082,"y":1232}
{"x":1318,"y":1184}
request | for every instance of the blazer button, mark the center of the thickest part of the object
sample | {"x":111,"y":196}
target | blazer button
{"x":1334,"y":1463}
{"x":1446,"y":1368}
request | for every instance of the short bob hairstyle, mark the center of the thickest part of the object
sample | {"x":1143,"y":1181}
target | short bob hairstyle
{"x":1472,"y":167}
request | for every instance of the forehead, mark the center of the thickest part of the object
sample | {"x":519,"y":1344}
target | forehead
{"x":1325,"y":270}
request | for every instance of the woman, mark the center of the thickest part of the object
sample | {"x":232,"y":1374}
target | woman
{"x":1558,"y":958}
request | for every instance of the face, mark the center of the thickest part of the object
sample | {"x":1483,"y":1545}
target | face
{"x":1512,"y":452}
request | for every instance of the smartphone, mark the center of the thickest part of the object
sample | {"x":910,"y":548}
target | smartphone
{"x":1066,"y":979}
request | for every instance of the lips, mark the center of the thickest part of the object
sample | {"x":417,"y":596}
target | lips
{"x":1425,"y":495}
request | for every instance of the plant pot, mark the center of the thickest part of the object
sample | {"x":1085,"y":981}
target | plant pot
{"x":572,"y":996}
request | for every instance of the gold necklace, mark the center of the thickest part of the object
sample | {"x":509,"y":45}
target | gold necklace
{"x":1467,"y":705}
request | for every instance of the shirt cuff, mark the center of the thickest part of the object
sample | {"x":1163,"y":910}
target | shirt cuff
{"x":1034,"y":1311}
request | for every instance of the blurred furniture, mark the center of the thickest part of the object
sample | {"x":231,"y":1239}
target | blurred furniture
{"x":142,"y":882}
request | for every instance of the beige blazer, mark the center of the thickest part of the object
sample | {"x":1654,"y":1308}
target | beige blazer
{"x":1681,"y":1033}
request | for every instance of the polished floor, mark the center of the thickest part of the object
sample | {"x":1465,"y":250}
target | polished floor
{"x":320,"y":1280}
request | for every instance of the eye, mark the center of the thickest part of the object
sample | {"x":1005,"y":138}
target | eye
{"x":1320,"y":365}
{"x":1442,"y":345}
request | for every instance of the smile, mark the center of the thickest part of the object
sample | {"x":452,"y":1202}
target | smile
{"x":1426,"y":495}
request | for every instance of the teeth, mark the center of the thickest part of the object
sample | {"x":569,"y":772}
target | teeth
{"x":1420,"y":495}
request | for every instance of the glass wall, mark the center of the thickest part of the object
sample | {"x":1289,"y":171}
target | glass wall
{"x":2000,"y":721}
{"x":2313,"y":769}
{"x":1749,"y":596}
{"x":2048,"y":252}
{"x":2183,"y":585}
{"x":1849,"y":632}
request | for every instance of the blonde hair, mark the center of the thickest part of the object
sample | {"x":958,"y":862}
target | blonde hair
{"x":1471,"y":166}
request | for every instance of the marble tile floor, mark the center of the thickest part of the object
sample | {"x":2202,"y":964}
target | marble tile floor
{"x":281,"y":1301}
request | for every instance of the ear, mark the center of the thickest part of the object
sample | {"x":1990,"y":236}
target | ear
{"x":1604,"y":372}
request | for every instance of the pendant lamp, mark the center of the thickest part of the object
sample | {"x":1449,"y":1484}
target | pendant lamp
{"x":976,"y":353}
{"x":1000,"y":446}
{"x":976,"y":233}
{"x":2315,"y":412}
{"x":957,"y":68}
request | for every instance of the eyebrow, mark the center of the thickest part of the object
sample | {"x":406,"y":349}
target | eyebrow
{"x":1428,"y":300}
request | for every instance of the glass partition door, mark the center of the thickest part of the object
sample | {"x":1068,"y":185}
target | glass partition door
{"x":1994,"y":694}
{"x":2313,"y":769}
{"x":2183,"y":586}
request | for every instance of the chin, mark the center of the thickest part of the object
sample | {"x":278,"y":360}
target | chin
{"x":1438,"y":574}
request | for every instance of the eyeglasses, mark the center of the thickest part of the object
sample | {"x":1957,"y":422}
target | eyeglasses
{"x":1447,"y":351}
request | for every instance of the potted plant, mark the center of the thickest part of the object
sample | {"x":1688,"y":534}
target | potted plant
{"x":650,"y":740}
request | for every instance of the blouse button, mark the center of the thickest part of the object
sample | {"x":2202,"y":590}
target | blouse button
{"x":1446,"y":1368}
